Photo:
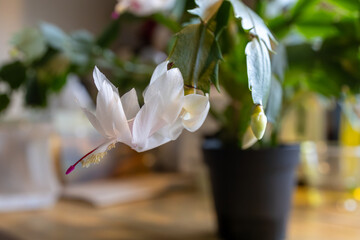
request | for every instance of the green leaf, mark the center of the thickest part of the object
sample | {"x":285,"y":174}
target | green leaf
{"x":312,"y":30}
{"x":197,"y":53}
{"x":350,"y":5}
{"x":80,"y":47}
{"x":109,"y":34}
{"x":54,"y":72}
{"x":275,"y":101}
{"x":54,"y":36}
{"x":30,"y":42}
{"x":4,"y":102}
{"x":196,"y":57}
{"x":14,"y":74}
{"x":252,"y":22}
{"x":36,"y":93}
{"x":167,"y":22}
{"x":259,"y":70}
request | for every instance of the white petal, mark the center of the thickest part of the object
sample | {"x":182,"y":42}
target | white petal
{"x":120,"y":124}
{"x":130,"y":104}
{"x":172,"y":131}
{"x":152,"y":142}
{"x":94,"y":121}
{"x":249,"y":139}
{"x":170,"y":86}
{"x":196,"y":110}
{"x":206,"y":9}
{"x":147,"y":121}
{"x":104,"y":105}
{"x":100,"y":78}
{"x":159,"y":70}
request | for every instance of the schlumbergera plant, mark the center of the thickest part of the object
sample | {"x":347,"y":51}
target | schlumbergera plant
{"x":177,"y":96}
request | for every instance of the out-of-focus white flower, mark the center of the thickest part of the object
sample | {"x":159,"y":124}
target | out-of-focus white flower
{"x":143,"y":7}
{"x":165,"y":113}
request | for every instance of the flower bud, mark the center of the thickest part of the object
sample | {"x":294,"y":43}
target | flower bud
{"x":258,"y":122}
{"x":248,"y":139}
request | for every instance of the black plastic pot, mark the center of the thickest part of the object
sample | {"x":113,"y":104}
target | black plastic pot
{"x":252,"y":190}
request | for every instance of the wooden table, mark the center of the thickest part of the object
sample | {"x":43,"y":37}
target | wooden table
{"x":177,"y":215}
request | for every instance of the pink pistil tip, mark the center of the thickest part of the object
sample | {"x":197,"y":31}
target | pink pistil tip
{"x":70,"y":169}
{"x":115,"y":15}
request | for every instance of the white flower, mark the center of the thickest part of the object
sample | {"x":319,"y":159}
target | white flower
{"x":143,"y":7}
{"x":165,"y":113}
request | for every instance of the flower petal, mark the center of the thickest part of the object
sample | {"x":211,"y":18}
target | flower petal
{"x":159,"y":70}
{"x":170,"y":86}
{"x":196,"y":109}
{"x":100,"y":78}
{"x":206,"y":9}
{"x":130,"y":104}
{"x":104,"y":105}
{"x":148,"y":121}
{"x":249,"y":139}
{"x":94,"y":121}
{"x":120,"y":124}
{"x":152,"y":142}
{"x":172,"y":131}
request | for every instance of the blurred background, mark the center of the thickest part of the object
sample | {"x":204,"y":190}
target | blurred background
{"x":48,"y":50}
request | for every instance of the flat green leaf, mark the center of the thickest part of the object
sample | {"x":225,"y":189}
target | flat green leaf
{"x":252,"y":22}
{"x":36,"y":93}
{"x":349,"y":5}
{"x":275,"y":101}
{"x":14,"y":74}
{"x":195,"y":55}
{"x":4,"y":102}
{"x":109,"y":34}
{"x":311,"y":31}
{"x":54,"y":36}
{"x":30,"y":42}
{"x":259,"y":70}
{"x":167,"y":22}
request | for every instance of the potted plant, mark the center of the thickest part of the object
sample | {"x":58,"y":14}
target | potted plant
{"x":252,"y":188}
{"x":228,"y":45}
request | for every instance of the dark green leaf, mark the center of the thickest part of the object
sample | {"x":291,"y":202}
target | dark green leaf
{"x":197,"y":53}
{"x":351,"y":5}
{"x":109,"y":34}
{"x":167,"y":22}
{"x":14,"y":74}
{"x":36,"y":93}
{"x":4,"y":101}
{"x":193,"y":55}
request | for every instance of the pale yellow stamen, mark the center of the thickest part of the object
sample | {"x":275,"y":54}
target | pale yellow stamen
{"x":111,"y":146}
{"x":96,"y":158}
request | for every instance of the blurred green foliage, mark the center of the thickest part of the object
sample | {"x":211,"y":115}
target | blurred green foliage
{"x":319,"y":52}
